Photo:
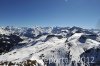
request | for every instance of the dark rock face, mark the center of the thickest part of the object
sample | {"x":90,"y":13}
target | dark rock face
{"x":83,"y":38}
{"x":91,"y":56}
{"x":7,"y":42}
{"x":51,"y":36}
{"x":24,"y":63}
{"x":93,"y":36}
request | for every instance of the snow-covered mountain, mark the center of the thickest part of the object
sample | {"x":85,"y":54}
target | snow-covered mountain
{"x":49,"y":46}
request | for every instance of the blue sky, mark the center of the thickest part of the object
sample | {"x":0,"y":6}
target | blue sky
{"x":29,"y":13}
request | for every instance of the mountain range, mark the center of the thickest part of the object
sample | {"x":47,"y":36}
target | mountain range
{"x":49,"y":46}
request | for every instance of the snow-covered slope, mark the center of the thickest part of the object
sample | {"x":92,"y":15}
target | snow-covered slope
{"x":48,"y":46}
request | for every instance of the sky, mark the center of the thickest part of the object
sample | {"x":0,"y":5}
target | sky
{"x":64,"y":13}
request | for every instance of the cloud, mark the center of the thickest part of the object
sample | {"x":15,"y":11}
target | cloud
{"x":66,"y":0}
{"x":98,"y":24}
